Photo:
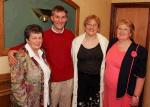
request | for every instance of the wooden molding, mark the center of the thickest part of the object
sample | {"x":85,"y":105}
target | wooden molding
{"x":5,"y":90}
{"x":5,"y":84}
{"x":77,"y":8}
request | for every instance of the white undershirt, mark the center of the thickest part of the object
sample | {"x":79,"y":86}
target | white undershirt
{"x":52,"y":28}
{"x":46,"y":71}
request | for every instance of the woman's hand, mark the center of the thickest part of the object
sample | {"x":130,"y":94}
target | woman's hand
{"x":134,"y":101}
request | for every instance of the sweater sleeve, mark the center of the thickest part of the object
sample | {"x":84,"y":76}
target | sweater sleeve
{"x":141,"y":62}
{"x":17,"y":47}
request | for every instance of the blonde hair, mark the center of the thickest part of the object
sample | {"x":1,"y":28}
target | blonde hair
{"x":129,"y":24}
{"x":96,"y":18}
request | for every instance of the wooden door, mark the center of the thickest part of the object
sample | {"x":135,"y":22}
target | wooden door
{"x":138,"y":14}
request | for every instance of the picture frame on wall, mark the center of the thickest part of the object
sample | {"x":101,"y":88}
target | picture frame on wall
{"x":17,"y":14}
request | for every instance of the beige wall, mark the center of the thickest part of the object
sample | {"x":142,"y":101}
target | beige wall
{"x":4,"y":68}
{"x":100,"y":8}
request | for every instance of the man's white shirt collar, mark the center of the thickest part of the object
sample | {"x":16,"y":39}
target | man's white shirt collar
{"x":55,"y":30}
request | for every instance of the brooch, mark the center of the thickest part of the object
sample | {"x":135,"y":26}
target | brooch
{"x":133,"y":54}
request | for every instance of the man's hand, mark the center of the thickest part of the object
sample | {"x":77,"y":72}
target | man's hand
{"x":11,"y":58}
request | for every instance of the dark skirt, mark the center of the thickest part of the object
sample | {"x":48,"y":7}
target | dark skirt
{"x":88,"y":90}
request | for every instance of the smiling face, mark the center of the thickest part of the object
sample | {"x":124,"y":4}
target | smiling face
{"x":35,"y":41}
{"x":91,"y":27}
{"x":123,"y":32}
{"x":59,"y":19}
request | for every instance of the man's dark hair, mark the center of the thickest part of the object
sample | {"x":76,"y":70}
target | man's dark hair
{"x":59,"y":8}
{"x":33,"y":28}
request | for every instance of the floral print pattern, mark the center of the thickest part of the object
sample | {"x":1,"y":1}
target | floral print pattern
{"x":27,"y":82}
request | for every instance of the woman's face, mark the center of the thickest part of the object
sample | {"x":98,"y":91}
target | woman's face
{"x":123,"y":32}
{"x":91,"y":27}
{"x":35,"y":41}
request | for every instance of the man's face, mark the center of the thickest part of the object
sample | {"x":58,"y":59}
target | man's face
{"x":59,"y":20}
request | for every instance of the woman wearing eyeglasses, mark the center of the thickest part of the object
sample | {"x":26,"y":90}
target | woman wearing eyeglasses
{"x":88,"y":52}
{"x":125,"y":68}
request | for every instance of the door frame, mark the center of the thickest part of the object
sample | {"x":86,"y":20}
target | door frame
{"x":114,"y":7}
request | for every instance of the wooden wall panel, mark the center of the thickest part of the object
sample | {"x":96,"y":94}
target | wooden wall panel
{"x":5,"y":90}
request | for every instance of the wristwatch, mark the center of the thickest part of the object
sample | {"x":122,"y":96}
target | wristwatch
{"x":136,"y":96}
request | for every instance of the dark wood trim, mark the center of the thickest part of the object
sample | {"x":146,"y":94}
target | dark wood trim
{"x":132,"y":4}
{"x":5,"y":90}
{"x":114,"y":7}
{"x":77,"y":8}
{"x":3,"y":50}
{"x":4,"y":77}
{"x":5,"y":84}
{"x":148,"y":31}
{"x":112,"y":21}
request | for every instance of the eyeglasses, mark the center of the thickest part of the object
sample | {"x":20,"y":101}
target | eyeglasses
{"x":91,"y":25}
{"x":125,"y":30}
